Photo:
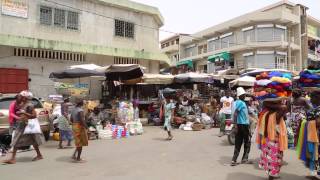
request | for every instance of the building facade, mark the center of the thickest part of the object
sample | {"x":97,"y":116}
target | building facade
{"x":275,"y":36}
{"x":50,"y":35}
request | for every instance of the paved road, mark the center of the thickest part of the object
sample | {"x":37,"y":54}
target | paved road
{"x":190,"y":156}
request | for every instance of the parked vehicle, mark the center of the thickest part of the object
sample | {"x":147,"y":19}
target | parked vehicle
{"x":42,"y":115}
{"x":230,"y":132}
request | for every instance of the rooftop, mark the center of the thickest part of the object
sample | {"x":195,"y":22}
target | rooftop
{"x":260,"y":13}
{"x":173,"y":37}
{"x":138,"y":7}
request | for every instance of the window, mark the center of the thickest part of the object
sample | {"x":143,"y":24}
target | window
{"x":190,"y":51}
{"x":227,"y":41}
{"x":48,"y":54}
{"x":73,"y":20}
{"x":265,"y":33}
{"x":129,"y":30}
{"x":202,"y":49}
{"x":124,"y":29}
{"x":45,"y":15}
{"x":172,"y":42}
{"x":59,"y":17}
{"x":280,"y":33}
{"x":177,"y":40}
{"x":213,"y":44}
{"x":249,"y":34}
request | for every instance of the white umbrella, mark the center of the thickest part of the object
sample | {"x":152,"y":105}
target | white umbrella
{"x":86,"y":66}
{"x":157,"y":79}
{"x":243,"y":81}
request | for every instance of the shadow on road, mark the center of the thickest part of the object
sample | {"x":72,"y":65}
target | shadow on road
{"x":24,"y":159}
{"x":64,"y":159}
{"x":160,"y":139}
{"x":246,"y":176}
{"x":225,"y":160}
{"x":224,"y":142}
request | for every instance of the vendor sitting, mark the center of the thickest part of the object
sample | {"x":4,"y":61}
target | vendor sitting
{"x":94,"y":118}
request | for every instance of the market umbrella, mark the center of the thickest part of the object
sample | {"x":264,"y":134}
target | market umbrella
{"x":168,"y":92}
{"x":256,"y":72}
{"x":192,"y":77}
{"x":74,"y":73}
{"x":157,"y":79}
{"x":247,"y":81}
{"x":118,"y":72}
{"x":88,"y":67}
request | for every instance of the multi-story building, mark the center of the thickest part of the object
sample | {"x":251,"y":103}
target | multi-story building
{"x":170,"y":46}
{"x":43,"y":36}
{"x":313,"y":41}
{"x":275,"y":36}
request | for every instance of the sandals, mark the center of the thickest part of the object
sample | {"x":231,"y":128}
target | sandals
{"x":233,"y":163}
{"x":9,"y":162}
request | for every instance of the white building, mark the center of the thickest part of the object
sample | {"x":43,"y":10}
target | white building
{"x":275,"y":36}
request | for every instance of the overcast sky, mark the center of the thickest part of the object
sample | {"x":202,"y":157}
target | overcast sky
{"x":190,"y":16}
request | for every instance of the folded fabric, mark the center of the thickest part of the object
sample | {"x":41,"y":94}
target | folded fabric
{"x":275,"y":74}
{"x":263,"y":82}
{"x":280,"y":79}
{"x":261,"y":93}
{"x":282,"y":94}
{"x":279,"y":88}
{"x":267,"y":96}
{"x":287,"y":75}
{"x":307,"y":75}
{"x":313,"y":71}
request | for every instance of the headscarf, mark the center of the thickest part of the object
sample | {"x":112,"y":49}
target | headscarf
{"x":26,"y":94}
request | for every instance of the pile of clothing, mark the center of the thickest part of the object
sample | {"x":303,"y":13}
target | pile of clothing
{"x":309,"y":78}
{"x":273,"y":85}
{"x":125,"y":112}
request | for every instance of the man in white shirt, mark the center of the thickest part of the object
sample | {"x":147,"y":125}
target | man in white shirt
{"x":226,"y":103}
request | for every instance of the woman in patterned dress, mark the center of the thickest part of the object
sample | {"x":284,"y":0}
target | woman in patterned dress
{"x":20,"y":139}
{"x":298,"y":106}
{"x":308,"y":142}
{"x":272,"y":138}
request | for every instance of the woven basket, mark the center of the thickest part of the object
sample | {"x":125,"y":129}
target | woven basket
{"x":197,"y":127}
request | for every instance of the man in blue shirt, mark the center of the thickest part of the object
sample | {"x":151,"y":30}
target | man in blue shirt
{"x":241,"y":119}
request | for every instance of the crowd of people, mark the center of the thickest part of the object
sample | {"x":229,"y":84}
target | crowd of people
{"x":281,"y":123}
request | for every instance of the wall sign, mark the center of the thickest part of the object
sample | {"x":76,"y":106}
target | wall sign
{"x":17,"y":8}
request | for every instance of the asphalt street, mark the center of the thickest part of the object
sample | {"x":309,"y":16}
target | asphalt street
{"x":190,"y":156}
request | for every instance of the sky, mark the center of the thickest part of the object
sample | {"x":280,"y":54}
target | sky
{"x":190,"y":16}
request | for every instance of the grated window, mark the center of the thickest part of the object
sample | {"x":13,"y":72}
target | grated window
{"x":59,"y":17}
{"x":124,"y":29}
{"x":45,"y":15}
{"x":73,"y":20}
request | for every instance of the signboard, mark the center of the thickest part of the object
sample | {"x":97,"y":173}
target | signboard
{"x":17,"y":8}
{"x":313,"y":31}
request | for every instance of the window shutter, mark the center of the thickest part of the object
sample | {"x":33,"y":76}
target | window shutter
{"x":265,"y":61}
{"x":265,"y":34}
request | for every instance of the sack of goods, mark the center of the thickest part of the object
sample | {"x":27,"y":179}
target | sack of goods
{"x":135,"y":128}
{"x":273,"y":85}
{"x":105,"y":133}
{"x":309,"y":78}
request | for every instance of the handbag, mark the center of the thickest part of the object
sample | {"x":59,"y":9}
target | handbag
{"x":33,"y":127}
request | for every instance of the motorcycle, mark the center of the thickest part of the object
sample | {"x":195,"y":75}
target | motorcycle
{"x":230,"y":131}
